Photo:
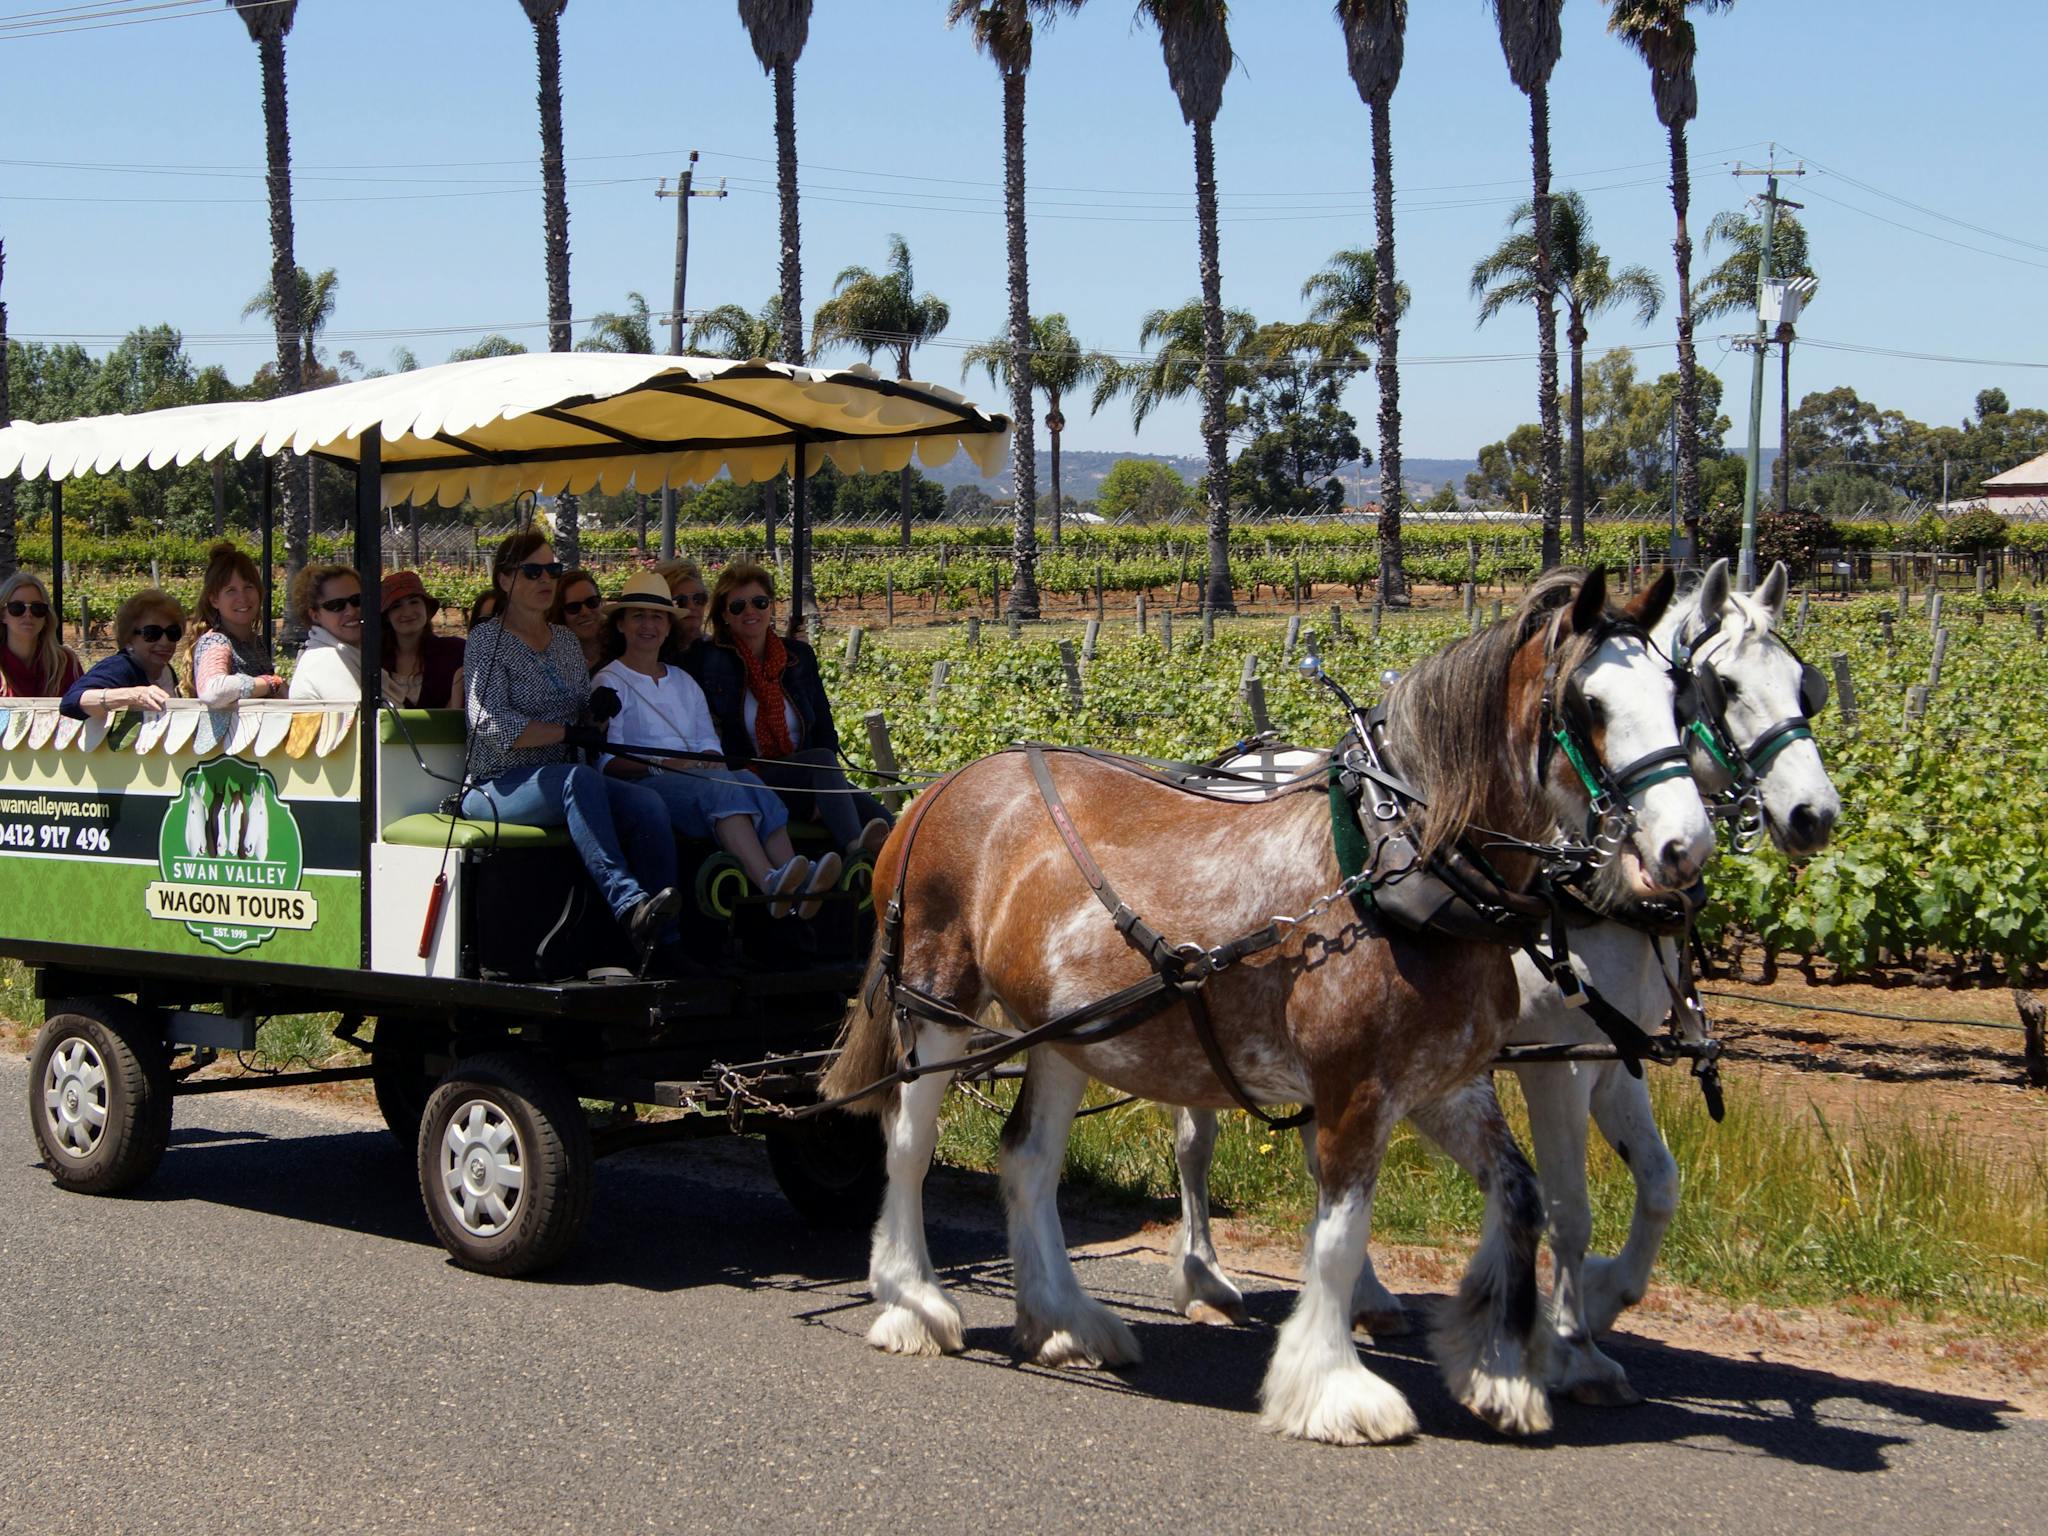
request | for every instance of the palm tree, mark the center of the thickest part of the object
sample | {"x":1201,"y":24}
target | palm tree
{"x":1373,"y":39}
{"x":1194,"y":37}
{"x":729,"y":331}
{"x":1590,"y":287}
{"x":630,"y":331}
{"x":268,"y":23}
{"x":317,"y":295}
{"x":493,"y":345}
{"x":547,"y":44}
{"x":7,"y":550}
{"x":1344,"y":323}
{"x":778,"y":30}
{"x":1659,"y":31}
{"x":1530,"y":40}
{"x":1002,"y":29}
{"x":877,"y":310}
{"x":1058,"y":367}
{"x":1730,"y":289}
{"x":1178,"y":365}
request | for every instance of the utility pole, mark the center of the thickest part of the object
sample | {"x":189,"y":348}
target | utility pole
{"x":1745,"y":570}
{"x":682,"y":193}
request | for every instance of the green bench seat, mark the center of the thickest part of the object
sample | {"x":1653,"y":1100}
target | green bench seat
{"x":422,"y":727}
{"x":429,"y":829}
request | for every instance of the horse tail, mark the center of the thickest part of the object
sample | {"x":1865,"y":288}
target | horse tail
{"x":868,"y":1050}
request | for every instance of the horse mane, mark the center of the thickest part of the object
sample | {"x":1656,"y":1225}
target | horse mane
{"x":1448,"y":718}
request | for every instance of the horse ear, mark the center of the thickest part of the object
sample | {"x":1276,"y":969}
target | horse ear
{"x":1773,"y":592}
{"x":1648,"y":606}
{"x":1591,"y":603}
{"x":1713,"y":596}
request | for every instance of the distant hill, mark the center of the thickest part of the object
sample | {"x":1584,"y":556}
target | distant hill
{"x":1082,"y":472}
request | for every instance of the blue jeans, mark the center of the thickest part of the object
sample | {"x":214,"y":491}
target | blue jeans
{"x":695,"y":802}
{"x":843,"y":809}
{"x":621,"y":830}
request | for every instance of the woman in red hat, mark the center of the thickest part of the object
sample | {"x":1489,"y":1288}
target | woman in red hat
{"x":422,"y":670}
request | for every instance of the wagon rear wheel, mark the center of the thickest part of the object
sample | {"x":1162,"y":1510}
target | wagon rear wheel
{"x":505,"y":1165}
{"x":398,"y":1073}
{"x":99,"y":1093}
{"x":831,"y":1167}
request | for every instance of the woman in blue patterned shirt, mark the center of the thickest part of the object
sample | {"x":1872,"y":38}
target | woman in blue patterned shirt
{"x":528,"y":701}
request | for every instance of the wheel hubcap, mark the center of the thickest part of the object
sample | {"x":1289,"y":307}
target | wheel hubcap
{"x":483,"y":1168}
{"x":75,"y":1097}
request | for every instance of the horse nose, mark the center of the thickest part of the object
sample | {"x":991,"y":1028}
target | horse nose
{"x":1810,"y":827}
{"x":1682,"y":863}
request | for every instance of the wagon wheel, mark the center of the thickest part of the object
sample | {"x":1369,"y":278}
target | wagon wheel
{"x":99,"y":1095}
{"x":721,"y":886}
{"x":505,"y":1163}
{"x":398,"y":1073}
{"x":831,"y":1167}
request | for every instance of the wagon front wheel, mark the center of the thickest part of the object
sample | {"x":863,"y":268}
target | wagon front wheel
{"x":831,"y":1167}
{"x":505,"y":1165}
{"x":99,"y":1093}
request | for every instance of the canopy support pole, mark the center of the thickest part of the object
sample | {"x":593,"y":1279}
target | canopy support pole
{"x":802,"y":601}
{"x":267,"y":519}
{"x":57,"y":560}
{"x":369,"y":570}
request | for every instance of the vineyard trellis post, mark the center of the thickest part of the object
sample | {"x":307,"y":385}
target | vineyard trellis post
{"x":1072,"y":668}
{"x":1255,"y":702}
{"x":884,"y":755}
{"x":1845,"y":687}
{"x":941,"y":670}
{"x":852,"y":649}
{"x":1934,"y":663}
{"x":1089,"y":634}
{"x":1293,"y":639}
{"x":1166,"y":630}
{"x":974,"y":631}
{"x":2034,"y":1022}
{"x":1141,"y":613}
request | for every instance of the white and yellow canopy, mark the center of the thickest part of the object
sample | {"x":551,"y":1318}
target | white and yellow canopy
{"x":548,"y":422}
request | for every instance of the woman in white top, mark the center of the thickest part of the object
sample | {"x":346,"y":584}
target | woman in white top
{"x":660,"y":706}
{"x":329,"y":598}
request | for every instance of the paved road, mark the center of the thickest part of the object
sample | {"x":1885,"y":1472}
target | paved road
{"x":268,"y":1339}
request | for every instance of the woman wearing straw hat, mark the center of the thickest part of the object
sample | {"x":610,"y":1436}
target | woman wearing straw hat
{"x":663,"y":708}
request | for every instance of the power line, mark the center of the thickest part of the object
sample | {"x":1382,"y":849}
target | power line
{"x":1892,"y":197}
{"x":107,"y":18}
{"x":1928,"y":234}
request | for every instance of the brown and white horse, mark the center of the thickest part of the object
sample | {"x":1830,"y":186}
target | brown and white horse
{"x":1362,"y":1023}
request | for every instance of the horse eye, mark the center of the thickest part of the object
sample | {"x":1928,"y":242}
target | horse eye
{"x":1730,"y":688}
{"x":1596,"y":711}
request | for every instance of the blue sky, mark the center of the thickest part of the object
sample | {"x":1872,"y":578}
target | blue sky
{"x":415,"y":141}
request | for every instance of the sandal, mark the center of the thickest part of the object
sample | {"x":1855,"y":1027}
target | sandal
{"x":824,"y":876}
{"x":782,"y":885}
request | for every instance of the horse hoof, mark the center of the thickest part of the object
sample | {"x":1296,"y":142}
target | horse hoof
{"x":1384,"y":1323}
{"x":1089,"y":1341}
{"x":900,"y":1331}
{"x":1351,"y":1407}
{"x":1615,"y":1393}
{"x":1516,"y":1406}
{"x":1216,"y":1314}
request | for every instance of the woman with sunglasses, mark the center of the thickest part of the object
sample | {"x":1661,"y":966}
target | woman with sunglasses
{"x":578,"y":607}
{"x":35,"y":663}
{"x":147,"y":629}
{"x":769,"y":701}
{"x":422,"y":670}
{"x":329,"y":600}
{"x":686,"y":646}
{"x":230,"y":660}
{"x":528,"y":698}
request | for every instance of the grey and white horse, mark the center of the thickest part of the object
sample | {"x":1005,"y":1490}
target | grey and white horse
{"x":1758,"y":685}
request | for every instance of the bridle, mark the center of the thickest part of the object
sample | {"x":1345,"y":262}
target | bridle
{"x":1565,"y":726}
{"x":1703,"y":711}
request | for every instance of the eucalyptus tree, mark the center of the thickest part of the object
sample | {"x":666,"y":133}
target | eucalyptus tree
{"x":1590,"y":287}
{"x":268,"y":22}
{"x":1003,"y":30}
{"x":882,"y":311}
{"x":1730,"y":289}
{"x":729,"y":331}
{"x":627,"y":330}
{"x":1530,"y":40}
{"x":1660,"y":32}
{"x":778,"y":30}
{"x":1374,"y":33}
{"x":1058,"y":367}
{"x":546,"y":17}
{"x":1194,"y":36}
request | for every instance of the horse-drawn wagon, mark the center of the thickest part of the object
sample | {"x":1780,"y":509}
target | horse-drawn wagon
{"x":176,"y":877}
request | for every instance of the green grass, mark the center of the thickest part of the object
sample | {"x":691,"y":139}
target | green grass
{"x":1779,"y":1205}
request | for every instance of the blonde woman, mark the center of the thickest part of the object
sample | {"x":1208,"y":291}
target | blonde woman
{"x":35,"y":663}
{"x":229,"y":660}
{"x":329,"y":598}
{"x":147,"y":629}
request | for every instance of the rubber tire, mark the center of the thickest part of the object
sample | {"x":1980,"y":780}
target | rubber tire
{"x":554,"y":1201}
{"x":398,"y":1073}
{"x":138,"y":1067}
{"x":831,"y":1167}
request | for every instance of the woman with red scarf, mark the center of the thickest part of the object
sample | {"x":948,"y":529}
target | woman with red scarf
{"x":769,"y":702}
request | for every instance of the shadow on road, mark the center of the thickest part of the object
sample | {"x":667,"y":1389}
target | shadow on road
{"x":711,"y":1216}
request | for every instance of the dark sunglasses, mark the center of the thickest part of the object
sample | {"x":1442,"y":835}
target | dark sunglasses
{"x":533,"y":570}
{"x":40,"y":610}
{"x":695,"y":599}
{"x":593,"y":602}
{"x":336,"y":604}
{"x":155,"y":632}
{"x":739,"y":605}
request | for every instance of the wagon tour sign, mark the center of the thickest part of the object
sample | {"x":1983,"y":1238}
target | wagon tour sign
{"x":231,"y":859}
